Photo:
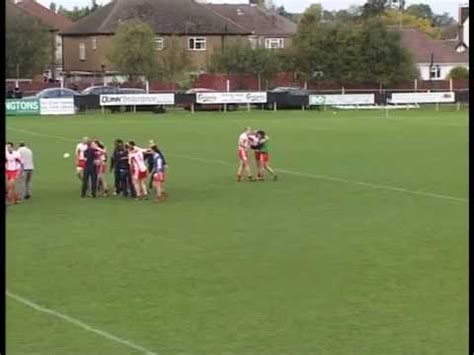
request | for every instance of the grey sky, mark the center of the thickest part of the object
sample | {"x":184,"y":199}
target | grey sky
{"x":438,"y":6}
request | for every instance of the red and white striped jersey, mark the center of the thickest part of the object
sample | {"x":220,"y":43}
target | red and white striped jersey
{"x":12,"y":161}
{"x":80,"y":149}
{"x":137,"y":161}
{"x":244,"y":141}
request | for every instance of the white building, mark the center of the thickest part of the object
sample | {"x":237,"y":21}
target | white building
{"x":434,"y":58}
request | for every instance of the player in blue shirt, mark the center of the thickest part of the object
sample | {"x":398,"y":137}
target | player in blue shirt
{"x":158,"y":173}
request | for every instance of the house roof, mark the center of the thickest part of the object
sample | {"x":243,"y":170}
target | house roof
{"x":259,"y":21}
{"x":450,"y":32}
{"x":51,"y":19}
{"x":164,"y":16}
{"x":421,"y":46}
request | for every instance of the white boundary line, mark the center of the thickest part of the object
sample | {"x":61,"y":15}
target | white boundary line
{"x":313,"y":176}
{"x":79,"y":324}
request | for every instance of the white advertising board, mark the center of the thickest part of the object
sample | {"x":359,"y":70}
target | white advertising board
{"x":61,"y":106}
{"x":137,"y":100}
{"x":422,"y":97}
{"x":256,"y":97}
{"x":346,"y":99}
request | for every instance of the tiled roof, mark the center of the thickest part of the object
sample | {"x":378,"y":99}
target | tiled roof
{"x":53,"y":20}
{"x":164,"y":16}
{"x":259,"y":21}
{"x":421,"y":46}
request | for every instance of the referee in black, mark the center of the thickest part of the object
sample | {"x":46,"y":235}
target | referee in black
{"x":90,"y":170}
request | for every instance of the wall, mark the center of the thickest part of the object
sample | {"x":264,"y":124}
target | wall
{"x":465,"y":29}
{"x":445,"y":69}
{"x":94,"y":58}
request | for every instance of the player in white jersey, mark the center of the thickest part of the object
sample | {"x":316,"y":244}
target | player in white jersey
{"x":13,"y":168}
{"x":243,"y":146}
{"x":139,"y":170}
{"x":80,"y":161}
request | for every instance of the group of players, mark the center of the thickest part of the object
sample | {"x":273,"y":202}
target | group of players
{"x":131,"y":166}
{"x":258,"y":142}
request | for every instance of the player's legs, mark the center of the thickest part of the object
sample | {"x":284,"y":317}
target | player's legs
{"x":11,"y":198}
{"x":158,"y":187}
{"x":136,"y":186}
{"x":103,"y":181}
{"x":265,"y":166}
{"x":248,"y":171}
{"x":143,"y":185}
{"x":79,"y":173}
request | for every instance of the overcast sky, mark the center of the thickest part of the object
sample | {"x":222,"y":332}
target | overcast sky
{"x":438,"y":6}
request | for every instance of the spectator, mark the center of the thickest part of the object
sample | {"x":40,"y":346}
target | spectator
{"x":28,"y":168}
{"x":18,"y":94}
{"x":10,"y":93}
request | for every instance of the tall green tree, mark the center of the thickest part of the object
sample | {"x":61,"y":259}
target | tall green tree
{"x":384,"y":59}
{"x":241,"y":58}
{"x":27,"y":46}
{"x":132,"y":50}
{"x":173,"y":61}
{"x":374,"y":8}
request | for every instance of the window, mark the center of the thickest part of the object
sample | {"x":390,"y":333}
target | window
{"x":435,"y":72}
{"x":274,"y":43}
{"x":159,"y":43}
{"x":197,"y":43}
{"x":82,"y":51}
{"x":254,"y":41}
{"x":94,"y":43}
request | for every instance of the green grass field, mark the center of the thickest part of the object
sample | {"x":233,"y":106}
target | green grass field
{"x":359,"y":248}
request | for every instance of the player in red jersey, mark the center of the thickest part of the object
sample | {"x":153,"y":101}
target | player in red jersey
{"x":243,"y":146}
{"x":139,"y":170}
{"x":80,"y":161}
{"x":13,"y":166}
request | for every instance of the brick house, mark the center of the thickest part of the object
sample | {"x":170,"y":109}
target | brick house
{"x":200,"y":31}
{"x":434,"y":58}
{"x":268,"y":29}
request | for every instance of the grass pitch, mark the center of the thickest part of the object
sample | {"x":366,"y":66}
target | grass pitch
{"x":360,"y":248}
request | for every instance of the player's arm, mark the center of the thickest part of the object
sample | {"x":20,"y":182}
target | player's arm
{"x":162,"y":157}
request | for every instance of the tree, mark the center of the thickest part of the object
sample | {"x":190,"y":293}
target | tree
{"x":420,"y":11}
{"x":132,"y":50}
{"x":78,"y":13}
{"x":443,"y":20}
{"x":311,"y":16}
{"x":458,"y":73}
{"x":384,"y":59}
{"x":374,"y":8}
{"x":241,"y":58}
{"x":27,"y":46}
{"x":52,"y":7}
{"x":173,"y":61}
{"x":393,"y":18}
